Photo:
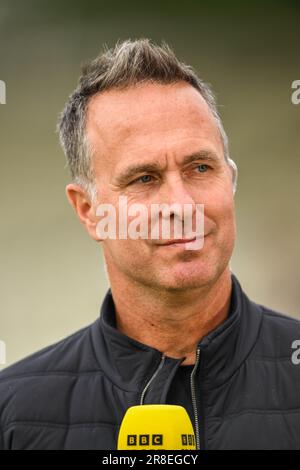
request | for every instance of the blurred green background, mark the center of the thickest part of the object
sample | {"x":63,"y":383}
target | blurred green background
{"x":52,"y":276}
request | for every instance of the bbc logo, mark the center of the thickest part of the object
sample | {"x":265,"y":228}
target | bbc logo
{"x":145,"y":439}
{"x":187,"y":439}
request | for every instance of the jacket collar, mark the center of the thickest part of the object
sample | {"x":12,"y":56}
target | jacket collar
{"x":225,"y":349}
{"x":129,"y":363}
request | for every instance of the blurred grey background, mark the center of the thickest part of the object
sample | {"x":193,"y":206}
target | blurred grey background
{"x":51,"y":273}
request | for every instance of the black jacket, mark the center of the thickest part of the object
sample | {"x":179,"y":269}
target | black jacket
{"x":73,"y":395}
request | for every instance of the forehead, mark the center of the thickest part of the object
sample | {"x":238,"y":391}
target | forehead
{"x":150,"y":118}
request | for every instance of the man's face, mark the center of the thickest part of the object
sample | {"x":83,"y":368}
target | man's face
{"x":162,"y":126}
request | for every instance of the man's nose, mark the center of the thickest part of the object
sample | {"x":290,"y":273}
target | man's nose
{"x":177,"y":207}
{"x":174,"y":191}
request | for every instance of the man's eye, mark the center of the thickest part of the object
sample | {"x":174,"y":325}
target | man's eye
{"x":143,"y":179}
{"x":202,"y":168}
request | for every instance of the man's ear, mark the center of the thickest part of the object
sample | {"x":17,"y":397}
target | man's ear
{"x":234,"y":171}
{"x":82,"y":204}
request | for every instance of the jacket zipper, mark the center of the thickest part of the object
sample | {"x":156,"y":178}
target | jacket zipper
{"x":152,"y":378}
{"x":194,"y":399}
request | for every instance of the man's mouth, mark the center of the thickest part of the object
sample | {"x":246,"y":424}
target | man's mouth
{"x":178,"y":241}
{"x":195,"y":243}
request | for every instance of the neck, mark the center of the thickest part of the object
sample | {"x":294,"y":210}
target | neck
{"x":171,"y":322}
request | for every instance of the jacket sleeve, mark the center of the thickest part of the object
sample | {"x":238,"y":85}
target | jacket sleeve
{"x":3,"y":444}
{"x":1,"y":431}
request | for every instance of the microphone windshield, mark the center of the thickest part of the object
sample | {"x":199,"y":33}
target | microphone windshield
{"x":156,"y":427}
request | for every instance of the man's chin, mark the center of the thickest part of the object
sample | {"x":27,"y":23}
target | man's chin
{"x":179,"y":282}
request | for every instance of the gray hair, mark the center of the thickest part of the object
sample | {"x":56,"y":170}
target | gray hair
{"x":128,"y":63}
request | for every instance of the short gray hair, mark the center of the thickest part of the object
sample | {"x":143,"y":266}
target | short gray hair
{"x":128,"y":63}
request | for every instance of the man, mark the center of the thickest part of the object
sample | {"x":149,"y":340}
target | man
{"x":175,"y":325}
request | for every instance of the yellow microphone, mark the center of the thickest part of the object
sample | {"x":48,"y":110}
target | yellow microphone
{"x":156,"y":427}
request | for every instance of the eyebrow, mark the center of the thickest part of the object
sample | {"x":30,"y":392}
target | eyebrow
{"x":134,"y":170}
